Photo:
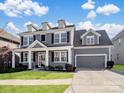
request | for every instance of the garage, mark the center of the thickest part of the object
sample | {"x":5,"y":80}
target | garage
{"x":91,"y":60}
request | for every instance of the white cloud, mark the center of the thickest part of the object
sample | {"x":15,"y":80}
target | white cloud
{"x":85,"y":25}
{"x":89,"y":5}
{"x":111,"y":29}
{"x":15,"y":8}
{"x":108,"y":9}
{"x":12,"y":28}
{"x":91,"y":15}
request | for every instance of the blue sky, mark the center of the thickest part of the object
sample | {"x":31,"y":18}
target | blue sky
{"x":108,"y":17}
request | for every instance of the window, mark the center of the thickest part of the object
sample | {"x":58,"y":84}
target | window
{"x":60,"y":56}
{"x":90,"y":40}
{"x":42,"y":37}
{"x":64,"y":56}
{"x":25,"y":56}
{"x":60,"y":37}
{"x":56,"y":38}
{"x":119,"y":41}
{"x":25,"y":41}
{"x":56,"y":56}
{"x":30,"y":39}
{"x":63,"y":37}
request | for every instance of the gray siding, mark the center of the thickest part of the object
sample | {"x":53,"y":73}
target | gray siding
{"x":118,"y":51}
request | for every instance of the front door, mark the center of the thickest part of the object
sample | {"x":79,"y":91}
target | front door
{"x":41,"y":59}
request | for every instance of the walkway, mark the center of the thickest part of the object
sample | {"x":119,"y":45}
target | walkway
{"x":36,"y":82}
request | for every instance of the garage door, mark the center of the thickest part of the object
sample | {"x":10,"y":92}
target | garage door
{"x":90,"y":61}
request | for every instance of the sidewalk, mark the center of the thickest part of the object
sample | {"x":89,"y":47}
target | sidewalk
{"x":36,"y":82}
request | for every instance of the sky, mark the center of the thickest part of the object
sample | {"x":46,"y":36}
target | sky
{"x":85,"y":14}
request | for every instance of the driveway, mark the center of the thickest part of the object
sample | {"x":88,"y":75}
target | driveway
{"x":101,"y":81}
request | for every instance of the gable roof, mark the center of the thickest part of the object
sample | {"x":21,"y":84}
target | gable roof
{"x":92,"y":31}
{"x":103,"y":40}
{"x":35,"y":43}
{"x":119,"y":35}
{"x":8,"y":36}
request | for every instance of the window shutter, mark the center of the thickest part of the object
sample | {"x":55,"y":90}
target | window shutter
{"x":52,"y":56}
{"x":34,"y":56}
{"x":21,"y":56}
{"x":67,"y":56}
{"x":22,"y":40}
{"x":68,"y":37}
{"x":34,"y":37}
{"x":52,"y":38}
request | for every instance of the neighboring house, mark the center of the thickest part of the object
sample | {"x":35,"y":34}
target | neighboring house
{"x":7,"y":39}
{"x":118,"y":48}
{"x":53,"y":46}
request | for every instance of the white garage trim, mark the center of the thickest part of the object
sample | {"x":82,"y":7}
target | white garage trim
{"x":77,"y":55}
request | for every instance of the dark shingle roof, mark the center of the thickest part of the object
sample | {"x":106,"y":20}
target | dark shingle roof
{"x":104,"y":39}
{"x":8,"y":36}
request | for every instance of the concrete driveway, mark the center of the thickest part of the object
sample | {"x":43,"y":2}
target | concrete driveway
{"x":101,"y":81}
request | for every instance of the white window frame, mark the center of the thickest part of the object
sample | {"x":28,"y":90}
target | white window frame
{"x":60,"y":37}
{"x":60,"y":56}
{"x":24,"y":61}
{"x":90,"y":40}
{"x":28,"y":40}
{"x":24,"y":57}
{"x":25,"y":41}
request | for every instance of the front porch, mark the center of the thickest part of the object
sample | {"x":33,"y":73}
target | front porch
{"x":35,"y":57}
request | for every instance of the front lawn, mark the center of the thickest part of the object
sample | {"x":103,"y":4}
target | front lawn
{"x":118,"y":67}
{"x":36,"y":75}
{"x":33,"y":89}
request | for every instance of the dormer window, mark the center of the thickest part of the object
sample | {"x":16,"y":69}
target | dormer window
{"x":60,"y":37}
{"x":90,"y":40}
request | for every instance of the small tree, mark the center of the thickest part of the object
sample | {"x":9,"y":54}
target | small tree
{"x":5,"y":58}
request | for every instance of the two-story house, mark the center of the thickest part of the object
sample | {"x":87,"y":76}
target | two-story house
{"x":118,"y":48}
{"x":53,"y":46}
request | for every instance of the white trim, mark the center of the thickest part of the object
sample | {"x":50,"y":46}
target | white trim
{"x":96,"y":33}
{"x":36,"y":42}
{"x":60,"y":37}
{"x":13,"y":59}
{"x":29,"y":60}
{"x":60,"y":55}
{"x":77,"y":55}
{"x":87,"y":47}
{"x":110,"y":53}
{"x":90,"y":40}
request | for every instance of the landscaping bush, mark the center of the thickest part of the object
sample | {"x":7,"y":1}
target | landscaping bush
{"x":58,"y":67}
{"x":69,"y":67}
{"x":51,"y":68}
{"x":110,"y":64}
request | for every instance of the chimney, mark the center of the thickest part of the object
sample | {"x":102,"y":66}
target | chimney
{"x":45,"y":26}
{"x":31,"y":28}
{"x":61,"y":23}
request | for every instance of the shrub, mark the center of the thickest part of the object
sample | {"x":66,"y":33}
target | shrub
{"x":59,"y":67}
{"x":69,"y":67}
{"x":110,"y":64}
{"x":51,"y":68}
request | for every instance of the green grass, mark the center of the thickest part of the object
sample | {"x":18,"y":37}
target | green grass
{"x":118,"y":67}
{"x":36,"y":75}
{"x":33,"y":89}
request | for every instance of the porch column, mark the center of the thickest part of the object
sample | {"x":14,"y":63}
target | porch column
{"x":29,"y":60}
{"x":47,"y":58}
{"x":69,"y":56}
{"x":13,"y":59}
